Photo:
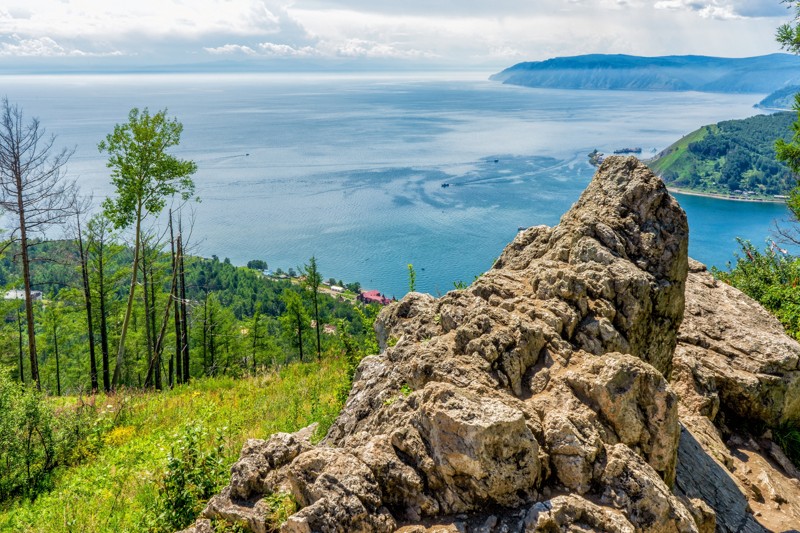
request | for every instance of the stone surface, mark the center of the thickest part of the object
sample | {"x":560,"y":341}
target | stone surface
{"x":537,"y":398}
{"x":734,"y":356}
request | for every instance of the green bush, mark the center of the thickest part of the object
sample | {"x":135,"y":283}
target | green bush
{"x":27,"y":444}
{"x":195,"y":472}
{"x":772,"y":279}
{"x":36,"y":438}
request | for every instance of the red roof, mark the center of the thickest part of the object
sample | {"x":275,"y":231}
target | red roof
{"x":374,"y":296}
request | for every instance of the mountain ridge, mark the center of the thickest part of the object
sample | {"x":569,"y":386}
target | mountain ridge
{"x":759,"y":74}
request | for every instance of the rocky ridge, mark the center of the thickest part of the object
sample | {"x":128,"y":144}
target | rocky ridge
{"x":593,"y":379}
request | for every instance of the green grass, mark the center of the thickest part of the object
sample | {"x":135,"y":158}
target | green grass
{"x":112,"y":490}
{"x":677,"y":151}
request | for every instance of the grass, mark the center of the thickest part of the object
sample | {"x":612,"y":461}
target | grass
{"x":113,"y":490}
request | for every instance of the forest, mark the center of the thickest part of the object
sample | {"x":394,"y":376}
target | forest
{"x":733,"y":155}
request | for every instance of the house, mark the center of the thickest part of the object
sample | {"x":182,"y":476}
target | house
{"x":17,"y":294}
{"x":373,"y":297}
{"x":336,"y":288}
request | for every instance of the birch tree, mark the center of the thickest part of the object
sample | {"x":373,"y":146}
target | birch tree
{"x":145,"y":176}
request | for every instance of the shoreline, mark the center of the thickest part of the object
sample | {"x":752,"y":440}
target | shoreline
{"x":718,"y":196}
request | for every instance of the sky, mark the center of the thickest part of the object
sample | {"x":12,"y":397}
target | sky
{"x":364,"y":34}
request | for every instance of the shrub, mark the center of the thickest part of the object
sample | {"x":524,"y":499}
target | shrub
{"x":195,"y":472}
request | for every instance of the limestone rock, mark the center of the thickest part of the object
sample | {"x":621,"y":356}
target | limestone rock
{"x":548,"y":375}
{"x":734,"y":356}
{"x":573,"y":513}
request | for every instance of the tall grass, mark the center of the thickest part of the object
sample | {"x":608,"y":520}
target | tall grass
{"x":114,"y":490}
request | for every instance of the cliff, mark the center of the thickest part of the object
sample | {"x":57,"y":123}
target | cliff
{"x":594,"y":379}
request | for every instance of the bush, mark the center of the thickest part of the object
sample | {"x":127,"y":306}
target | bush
{"x":195,"y":472}
{"x":772,"y":279}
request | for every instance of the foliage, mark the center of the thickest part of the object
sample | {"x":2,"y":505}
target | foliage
{"x":412,"y":278}
{"x":771,"y":278}
{"x":729,"y":156}
{"x":281,"y":506}
{"x":787,"y":436}
{"x":788,"y":35}
{"x":36,"y":438}
{"x":143,"y":173}
{"x":257,"y":264}
{"x":116,"y":490}
{"x":194,"y":474}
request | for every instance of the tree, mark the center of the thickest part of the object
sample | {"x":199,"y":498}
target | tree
{"x":144,"y":176}
{"x":100,"y":238}
{"x":35,"y":190}
{"x":87,"y":296}
{"x":257,"y":264}
{"x":311,"y":284}
{"x":295,"y":318}
{"x":788,"y":35}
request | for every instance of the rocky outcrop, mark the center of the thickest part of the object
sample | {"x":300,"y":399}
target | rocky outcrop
{"x":537,"y":399}
{"x":734,"y":368}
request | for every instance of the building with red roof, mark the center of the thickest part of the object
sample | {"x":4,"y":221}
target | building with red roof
{"x":373,"y":297}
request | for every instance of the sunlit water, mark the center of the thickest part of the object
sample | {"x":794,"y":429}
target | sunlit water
{"x":350,"y":168}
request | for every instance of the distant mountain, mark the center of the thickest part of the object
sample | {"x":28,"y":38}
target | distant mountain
{"x":762,"y":74}
{"x":734,"y":155}
{"x":780,"y":99}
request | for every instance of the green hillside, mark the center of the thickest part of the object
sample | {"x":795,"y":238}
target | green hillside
{"x":731,"y":156}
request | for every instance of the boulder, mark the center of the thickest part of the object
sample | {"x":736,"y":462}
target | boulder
{"x":734,"y":356}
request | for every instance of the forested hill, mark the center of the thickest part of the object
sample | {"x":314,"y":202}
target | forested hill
{"x":783,"y":98}
{"x":762,"y":74}
{"x":735,"y":155}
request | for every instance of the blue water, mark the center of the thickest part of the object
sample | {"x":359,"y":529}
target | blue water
{"x":349,"y":168}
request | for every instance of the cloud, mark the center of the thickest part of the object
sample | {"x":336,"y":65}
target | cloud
{"x":229,"y":49}
{"x":725,"y":9}
{"x":451,"y":32}
{"x":43,"y":47}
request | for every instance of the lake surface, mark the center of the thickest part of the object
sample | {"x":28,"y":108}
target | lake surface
{"x":350,"y":168}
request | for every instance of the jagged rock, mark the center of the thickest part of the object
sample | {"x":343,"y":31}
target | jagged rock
{"x":547,"y":375}
{"x":251,"y":514}
{"x":633,"y":486}
{"x":337,"y":492}
{"x":573,"y":513}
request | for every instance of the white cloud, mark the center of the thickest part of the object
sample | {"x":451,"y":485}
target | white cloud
{"x":42,"y":47}
{"x":453,"y":32}
{"x":284,"y":50}
{"x":228,"y":49}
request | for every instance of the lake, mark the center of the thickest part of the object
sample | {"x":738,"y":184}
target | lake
{"x":350,"y":168}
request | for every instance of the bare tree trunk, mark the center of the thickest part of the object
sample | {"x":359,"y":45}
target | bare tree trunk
{"x":87,"y":296}
{"x":178,"y":367}
{"x":126,"y":321}
{"x":300,"y":335}
{"x":26,"y":277}
{"x":205,"y":334}
{"x":58,"y":364}
{"x":21,"y":358}
{"x":103,"y":319}
{"x":184,"y":315}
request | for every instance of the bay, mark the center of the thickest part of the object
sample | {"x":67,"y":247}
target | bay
{"x":350,"y":168}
